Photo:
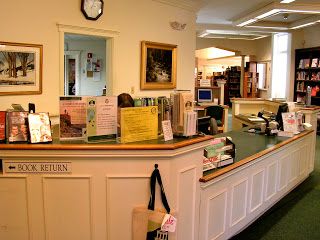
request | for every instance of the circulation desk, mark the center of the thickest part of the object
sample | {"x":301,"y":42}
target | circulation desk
{"x":95,"y":197}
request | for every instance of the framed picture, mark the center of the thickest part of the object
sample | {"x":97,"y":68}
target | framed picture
{"x":158,"y":65}
{"x":20,"y":68}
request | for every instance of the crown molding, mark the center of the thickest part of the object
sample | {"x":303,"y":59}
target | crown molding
{"x":189,"y":5}
{"x":86,"y":30}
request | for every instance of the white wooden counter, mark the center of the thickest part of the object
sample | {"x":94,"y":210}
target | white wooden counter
{"x":95,"y":201}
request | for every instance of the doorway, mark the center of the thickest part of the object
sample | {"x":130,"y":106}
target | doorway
{"x":71,"y":73}
{"x":88,"y":54}
{"x":83,"y":70}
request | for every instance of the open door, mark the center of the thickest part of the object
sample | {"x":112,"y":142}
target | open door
{"x":72,"y":72}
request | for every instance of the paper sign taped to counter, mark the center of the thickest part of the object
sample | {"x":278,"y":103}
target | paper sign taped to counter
{"x":139,"y":123}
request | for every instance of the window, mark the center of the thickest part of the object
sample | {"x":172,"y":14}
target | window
{"x":280,"y":65}
{"x":262,"y":71}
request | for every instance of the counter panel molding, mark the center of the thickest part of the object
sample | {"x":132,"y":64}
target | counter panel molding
{"x":68,"y":200}
{"x":248,"y":191}
{"x":14,"y":214}
{"x":95,"y":200}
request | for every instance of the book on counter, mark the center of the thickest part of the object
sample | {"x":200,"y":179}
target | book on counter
{"x":72,"y":117}
{"x":39,"y":127}
{"x":17,"y":127}
{"x":3,"y":126}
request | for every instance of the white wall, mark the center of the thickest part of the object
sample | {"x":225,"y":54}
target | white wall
{"x":90,"y":86}
{"x":311,"y":36}
{"x":246,"y":47}
{"x":135,"y":21}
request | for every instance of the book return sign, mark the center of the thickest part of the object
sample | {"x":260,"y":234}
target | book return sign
{"x":37,"y":167}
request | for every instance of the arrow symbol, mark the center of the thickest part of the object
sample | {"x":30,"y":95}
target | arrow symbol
{"x":12,"y":167}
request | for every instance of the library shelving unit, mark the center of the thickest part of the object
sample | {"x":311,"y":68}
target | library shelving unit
{"x":233,"y":75}
{"x":250,"y":81}
{"x":307,"y":73}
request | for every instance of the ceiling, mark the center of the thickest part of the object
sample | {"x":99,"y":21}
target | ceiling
{"x":253,"y":19}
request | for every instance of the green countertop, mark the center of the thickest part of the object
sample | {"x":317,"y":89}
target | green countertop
{"x":249,"y":146}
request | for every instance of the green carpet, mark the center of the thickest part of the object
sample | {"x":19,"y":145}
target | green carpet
{"x":297,"y":216}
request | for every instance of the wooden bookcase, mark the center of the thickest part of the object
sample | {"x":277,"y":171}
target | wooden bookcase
{"x":250,"y":81}
{"x":307,"y":73}
{"x":233,"y":75}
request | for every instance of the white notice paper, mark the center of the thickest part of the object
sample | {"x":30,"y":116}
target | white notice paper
{"x":167,"y":130}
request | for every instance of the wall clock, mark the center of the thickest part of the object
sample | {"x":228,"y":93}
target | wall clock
{"x":92,"y":9}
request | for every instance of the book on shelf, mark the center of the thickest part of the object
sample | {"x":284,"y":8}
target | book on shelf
{"x":39,"y":127}
{"x":17,"y":127}
{"x":2,"y":126}
{"x":306,"y":63}
{"x":314,"y":62}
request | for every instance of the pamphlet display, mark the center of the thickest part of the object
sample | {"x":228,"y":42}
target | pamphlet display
{"x":101,"y":117}
{"x":2,"y":126}
{"x":219,"y":153}
{"x":167,"y":130}
{"x":138,"y":124}
{"x":182,"y":102}
{"x":17,"y":127}
{"x":290,"y":123}
{"x":39,"y":127}
{"x":72,"y":117}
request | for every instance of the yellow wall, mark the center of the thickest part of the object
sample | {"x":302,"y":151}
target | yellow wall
{"x":35,"y":21}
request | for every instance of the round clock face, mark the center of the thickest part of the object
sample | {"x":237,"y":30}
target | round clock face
{"x":92,"y":9}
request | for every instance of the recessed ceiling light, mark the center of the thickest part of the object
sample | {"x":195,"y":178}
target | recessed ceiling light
{"x":287,"y":1}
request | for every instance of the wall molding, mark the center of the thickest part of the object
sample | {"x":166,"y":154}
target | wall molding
{"x":189,"y":5}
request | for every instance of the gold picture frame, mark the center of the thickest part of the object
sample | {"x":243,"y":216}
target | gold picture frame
{"x":158,"y":65}
{"x":20,"y":68}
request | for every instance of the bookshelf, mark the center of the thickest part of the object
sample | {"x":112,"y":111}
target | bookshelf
{"x":233,"y":75}
{"x":250,"y":81}
{"x":307,"y":73}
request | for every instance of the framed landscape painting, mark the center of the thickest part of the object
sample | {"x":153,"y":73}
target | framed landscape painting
{"x":158,"y":65}
{"x":20,"y":68}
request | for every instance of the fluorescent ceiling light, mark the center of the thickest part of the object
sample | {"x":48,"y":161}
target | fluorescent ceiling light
{"x":301,"y":11}
{"x":203,"y":34}
{"x":287,"y":1}
{"x":267,"y":14}
{"x":304,"y":25}
{"x":268,"y":27}
{"x":247,"y":22}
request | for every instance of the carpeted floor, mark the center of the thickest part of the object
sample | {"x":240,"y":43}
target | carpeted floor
{"x":295,"y":217}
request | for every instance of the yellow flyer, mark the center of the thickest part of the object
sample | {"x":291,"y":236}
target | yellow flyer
{"x":139,"y":123}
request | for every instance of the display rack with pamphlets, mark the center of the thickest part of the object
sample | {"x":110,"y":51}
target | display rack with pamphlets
{"x":220,"y":153}
{"x":183,"y":116}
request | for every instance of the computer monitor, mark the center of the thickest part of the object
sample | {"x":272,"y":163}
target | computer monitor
{"x":282,"y":108}
{"x":204,"y":95}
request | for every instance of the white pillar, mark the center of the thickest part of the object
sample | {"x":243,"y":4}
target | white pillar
{"x":221,"y":84}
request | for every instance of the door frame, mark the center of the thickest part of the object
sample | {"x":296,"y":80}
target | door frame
{"x":111,"y":41}
{"x":75,"y":55}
